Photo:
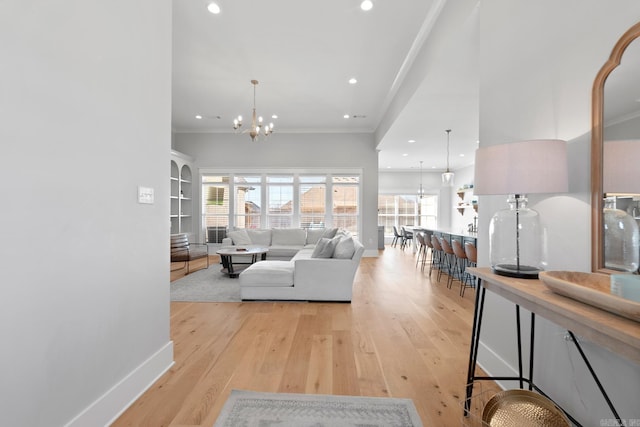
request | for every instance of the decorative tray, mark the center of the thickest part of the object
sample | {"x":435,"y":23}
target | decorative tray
{"x":590,"y":288}
{"x":522,"y":408}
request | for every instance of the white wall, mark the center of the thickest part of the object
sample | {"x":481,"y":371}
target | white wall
{"x":285,"y":150}
{"x":84,"y":313}
{"x":538,"y":63}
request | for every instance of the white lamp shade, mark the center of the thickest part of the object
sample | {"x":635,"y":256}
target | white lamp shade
{"x":620,"y":171}
{"x":525,"y":167}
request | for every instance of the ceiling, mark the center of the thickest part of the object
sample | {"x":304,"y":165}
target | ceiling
{"x":303,"y":56}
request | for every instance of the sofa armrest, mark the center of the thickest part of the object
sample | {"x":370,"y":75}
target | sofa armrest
{"x":325,"y":278}
{"x":226,"y":241}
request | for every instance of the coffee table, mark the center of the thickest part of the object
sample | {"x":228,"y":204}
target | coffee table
{"x":227,"y":254}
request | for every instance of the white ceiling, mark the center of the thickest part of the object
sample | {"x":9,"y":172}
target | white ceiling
{"x":303,"y":56}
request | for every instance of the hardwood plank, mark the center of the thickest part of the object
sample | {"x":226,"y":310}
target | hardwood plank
{"x":403,"y":335}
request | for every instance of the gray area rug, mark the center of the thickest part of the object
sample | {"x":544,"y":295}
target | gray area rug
{"x":207,"y":285}
{"x":253,"y":409}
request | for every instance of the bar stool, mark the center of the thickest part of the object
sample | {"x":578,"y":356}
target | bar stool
{"x":422,"y":249}
{"x":471,"y":252}
{"x":396,"y":236}
{"x":437,"y":256}
{"x":460,"y":263}
{"x":406,"y":237}
{"x":448,"y":259}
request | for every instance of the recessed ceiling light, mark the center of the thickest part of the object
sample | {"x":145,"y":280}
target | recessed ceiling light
{"x":274,"y":116}
{"x":353,"y":81}
{"x":346,"y":116}
{"x":405,"y":155}
{"x":366,"y":5}
{"x":199,"y":117}
{"x":213,"y":8}
{"x":462,"y":155}
{"x":411,"y":141}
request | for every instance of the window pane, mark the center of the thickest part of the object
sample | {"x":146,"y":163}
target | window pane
{"x":215,"y":207}
{"x":248,"y":202}
{"x":312,"y":205}
{"x":280,"y":199}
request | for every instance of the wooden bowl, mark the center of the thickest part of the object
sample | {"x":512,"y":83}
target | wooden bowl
{"x":590,"y":288}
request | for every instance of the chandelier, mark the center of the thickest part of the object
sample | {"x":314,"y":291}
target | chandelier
{"x":257,"y":128}
{"x":447,"y":177}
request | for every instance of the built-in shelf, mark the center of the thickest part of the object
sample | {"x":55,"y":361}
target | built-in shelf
{"x":181,"y":195}
{"x":463,"y":194}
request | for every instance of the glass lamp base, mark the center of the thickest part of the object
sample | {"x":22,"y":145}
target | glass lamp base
{"x":512,"y":270}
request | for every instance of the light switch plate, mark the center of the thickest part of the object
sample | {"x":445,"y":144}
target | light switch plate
{"x":145,"y":195}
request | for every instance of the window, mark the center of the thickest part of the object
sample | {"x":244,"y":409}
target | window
{"x":215,"y":207}
{"x":401,"y":210}
{"x":312,"y":206}
{"x":280,"y":196}
{"x":345,"y":201}
{"x":248,"y":201}
{"x":279,"y":200}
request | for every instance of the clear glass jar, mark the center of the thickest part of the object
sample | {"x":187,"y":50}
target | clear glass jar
{"x":515,"y":240}
{"x":621,"y":239}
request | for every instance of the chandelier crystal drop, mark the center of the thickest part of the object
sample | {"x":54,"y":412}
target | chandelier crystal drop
{"x":447,"y":176}
{"x":257,"y":129}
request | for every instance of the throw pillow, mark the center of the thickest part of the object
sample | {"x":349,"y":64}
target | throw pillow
{"x":330,"y":233}
{"x":324,"y":248}
{"x":345,"y":248}
{"x":239,"y":237}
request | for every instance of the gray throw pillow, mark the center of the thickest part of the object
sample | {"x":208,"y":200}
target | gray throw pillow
{"x":345,"y":248}
{"x":324,"y":248}
{"x":330,"y":233}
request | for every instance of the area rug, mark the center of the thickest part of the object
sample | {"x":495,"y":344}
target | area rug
{"x":253,"y":409}
{"x":207,"y":285}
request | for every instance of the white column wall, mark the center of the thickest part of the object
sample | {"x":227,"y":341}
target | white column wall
{"x":86,"y":112}
{"x":538,"y":63}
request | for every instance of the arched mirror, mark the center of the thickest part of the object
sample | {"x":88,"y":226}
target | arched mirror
{"x":615,"y":159}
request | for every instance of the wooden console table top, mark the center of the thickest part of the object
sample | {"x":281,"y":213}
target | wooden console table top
{"x":616,"y":333}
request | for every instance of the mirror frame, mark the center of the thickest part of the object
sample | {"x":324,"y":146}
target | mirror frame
{"x":597,"y":140}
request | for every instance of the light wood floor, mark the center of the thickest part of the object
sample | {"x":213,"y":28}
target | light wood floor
{"x":403,"y":335}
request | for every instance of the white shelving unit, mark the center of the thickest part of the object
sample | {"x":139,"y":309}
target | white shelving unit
{"x":181,"y":215}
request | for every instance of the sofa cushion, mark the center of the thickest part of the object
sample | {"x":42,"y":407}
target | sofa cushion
{"x":259,"y":237}
{"x":324,"y":248}
{"x":268,"y":273}
{"x":239,"y":237}
{"x":288,"y":236}
{"x":283,"y":251}
{"x":313,"y":235}
{"x":345,"y":248}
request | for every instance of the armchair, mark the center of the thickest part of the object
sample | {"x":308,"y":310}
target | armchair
{"x":183,"y":251}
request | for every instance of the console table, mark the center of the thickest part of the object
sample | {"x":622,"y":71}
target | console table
{"x":618,"y":334}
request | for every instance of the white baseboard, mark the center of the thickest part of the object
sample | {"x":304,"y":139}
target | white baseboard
{"x":494,"y":365}
{"x":106,"y":409}
{"x":370,"y":253}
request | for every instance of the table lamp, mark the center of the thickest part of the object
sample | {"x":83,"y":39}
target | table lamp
{"x":517,"y":169}
{"x":621,"y":180}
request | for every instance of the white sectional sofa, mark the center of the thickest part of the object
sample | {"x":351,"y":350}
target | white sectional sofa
{"x":283,"y":243}
{"x":322,"y":268}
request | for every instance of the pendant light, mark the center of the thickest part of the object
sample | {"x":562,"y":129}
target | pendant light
{"x":447,"y":177}
{"x":420,"y":189}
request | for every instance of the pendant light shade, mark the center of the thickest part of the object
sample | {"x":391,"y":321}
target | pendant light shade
{"x":448,"y":176}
